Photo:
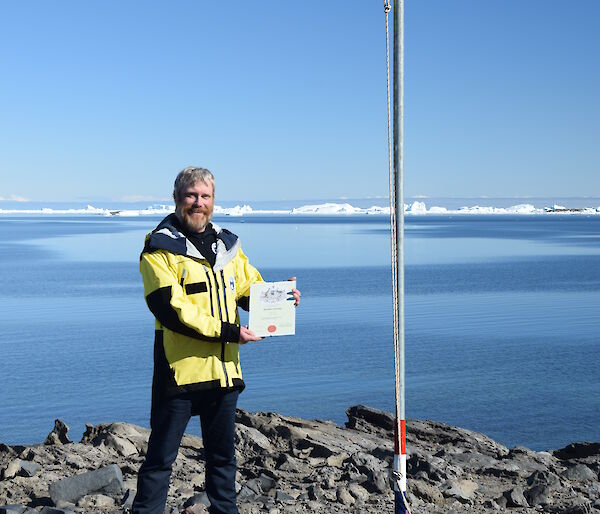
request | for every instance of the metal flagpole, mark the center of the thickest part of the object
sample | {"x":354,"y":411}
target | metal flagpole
{"x":401,"y":504}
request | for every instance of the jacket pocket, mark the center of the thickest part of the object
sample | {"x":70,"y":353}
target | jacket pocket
{"x":196,"y":287}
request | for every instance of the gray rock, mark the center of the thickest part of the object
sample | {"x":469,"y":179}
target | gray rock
{"x":462,"y":490}
{"x":358,"y":491}
{"x":283,"y":497}
{"x":96,"y":501}
{"x":246,"y":494}
{"x":577,"y":451}
{"x":108,"y":480}
{"x":429,"y":468}
{"x":65,"y":505}
{"x":337,"y":460}
{"x":315,"y":449}
{"x":266,"y":482}
{"x":515,"y":498}
{"x":538,"y":495}
{"x":472,"y":460}
{"x":491,"y":504}
{"x":13,"y":508}
{"x":254,"y":486}
{"x":361,"y":415}
{"x":314,"y":492}
{"x":54,"y":510}
{"x":577,"y":506}
{"x":502,"y":501}
{"x":196,"y":499}
{"x":59,"y":434}
{"x":580,"y":473}
{"x":121,"y":445}
{"x":332,"y":465}
{"x":377,"y":481}
{"x":11,"y":469}
{"x":504,"y":469}
{"x":251,"y":438}
{"x":366,"y":463}
{"x":20,"y":467}
{"x":543,"y":477}
{"x":426,"y":491}
{"x":197,"y":508}
{"x":75,"y":461}
{"x":127,"y":500}
{"x":344,"y":497}
{"x":288,"y":463}
{"x":28,"y":469}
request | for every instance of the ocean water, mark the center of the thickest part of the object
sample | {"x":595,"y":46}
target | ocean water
{"x":501,"y":322}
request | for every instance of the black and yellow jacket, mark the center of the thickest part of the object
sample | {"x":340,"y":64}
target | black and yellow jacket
{"x":195,"y":306}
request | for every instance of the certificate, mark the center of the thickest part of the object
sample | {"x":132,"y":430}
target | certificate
{"x":272,"y":309}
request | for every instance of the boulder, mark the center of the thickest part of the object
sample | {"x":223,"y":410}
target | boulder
{"x":362,"y":416}
{"x":358,"y":491}
{"x":13,"y":508}
{"x":515,"y":498}
{"x":104,"y":480}
{"x":344,"y":497}
{"x":96,"y":501}
{"x":28,"y":469}
{"x":314,"y":492}
{"x":197,"y":499}
{"x":11,"y":469}
{"x":580,"y":473}
{"x":577,"y":451}
{"x":425,"y":491}
{"x":283,"y":497}
{"x":196,"y":508}
{"x":59,"y":434}
{"x":121,"y":445}
{"x":539,"y":494}
{"x":251,"y":438}
{"x":462,"y":490}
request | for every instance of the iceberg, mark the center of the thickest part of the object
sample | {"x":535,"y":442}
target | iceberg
{"x":416,"y":208}
{"x":328,"y":208}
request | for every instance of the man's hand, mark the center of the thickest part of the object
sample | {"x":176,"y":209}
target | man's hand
{"x":295,"y":293}
{"x":247,"y":335}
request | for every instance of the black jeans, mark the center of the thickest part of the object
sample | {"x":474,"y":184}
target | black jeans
{"x":168,"y":420}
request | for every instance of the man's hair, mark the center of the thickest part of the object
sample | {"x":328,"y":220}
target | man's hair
{"x":189,"y":176}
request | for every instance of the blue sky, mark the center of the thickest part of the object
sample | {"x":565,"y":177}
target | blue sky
{"x":286,"y":100}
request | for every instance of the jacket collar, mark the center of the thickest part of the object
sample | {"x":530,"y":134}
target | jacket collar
{"x":169,"y":236}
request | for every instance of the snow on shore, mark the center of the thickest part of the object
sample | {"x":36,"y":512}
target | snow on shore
{"x":325,"y":209}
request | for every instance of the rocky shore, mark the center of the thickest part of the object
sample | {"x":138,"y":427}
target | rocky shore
{"x":291,"y":465}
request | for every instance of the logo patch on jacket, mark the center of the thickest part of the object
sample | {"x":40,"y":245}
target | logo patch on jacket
{"x":231,"y":283}
{"x":214,"y":248}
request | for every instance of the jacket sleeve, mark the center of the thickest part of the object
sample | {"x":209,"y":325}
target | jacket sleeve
{"x":171,"y":307}
{"x":246,"y":275}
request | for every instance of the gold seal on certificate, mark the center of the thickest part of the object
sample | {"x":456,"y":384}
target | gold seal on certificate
{"x":272,"y":310}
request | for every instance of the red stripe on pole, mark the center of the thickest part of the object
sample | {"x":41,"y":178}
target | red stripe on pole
{"x":403,"y":436}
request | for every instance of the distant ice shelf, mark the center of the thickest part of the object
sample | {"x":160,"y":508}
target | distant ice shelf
{"x":325,"y":209}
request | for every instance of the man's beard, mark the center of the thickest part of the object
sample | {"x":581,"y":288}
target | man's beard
{"x":191,"y":222}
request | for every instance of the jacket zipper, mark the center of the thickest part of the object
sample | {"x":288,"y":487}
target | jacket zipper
{"x":224,"y":295}
{"x":210,"y":295}
{"x":221,"y":317}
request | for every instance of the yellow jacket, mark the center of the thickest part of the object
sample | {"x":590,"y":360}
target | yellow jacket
{"x":195,"y":306}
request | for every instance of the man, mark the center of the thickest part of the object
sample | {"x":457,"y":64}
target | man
{"x":195,"y":277}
